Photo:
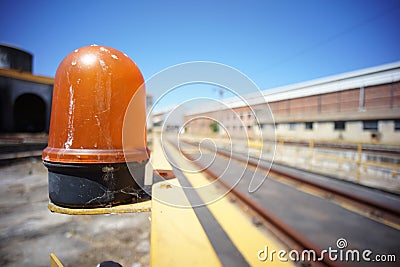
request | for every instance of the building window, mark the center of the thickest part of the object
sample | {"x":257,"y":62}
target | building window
{"x":340,"y":125}
{"x":309,"y":125}
{"x":292,"y":126}
{"x":397,"y":125}
{"x":370,"y":125}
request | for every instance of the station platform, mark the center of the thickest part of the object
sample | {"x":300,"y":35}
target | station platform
{"x":218,"y":233}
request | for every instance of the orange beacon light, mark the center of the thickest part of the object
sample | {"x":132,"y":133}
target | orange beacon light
{"x":88,"y":164}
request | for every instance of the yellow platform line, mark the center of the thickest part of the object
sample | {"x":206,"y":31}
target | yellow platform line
{"x":239,"y":227}
{"x":177,"y":237}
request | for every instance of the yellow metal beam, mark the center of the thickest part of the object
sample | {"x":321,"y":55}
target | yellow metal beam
{"x":244,"y":234}
{"x":177,"y":237}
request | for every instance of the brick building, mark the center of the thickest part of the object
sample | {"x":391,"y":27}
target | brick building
{"x":359,"y":106}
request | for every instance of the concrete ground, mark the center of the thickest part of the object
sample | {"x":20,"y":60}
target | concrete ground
{"x":29,"y":232}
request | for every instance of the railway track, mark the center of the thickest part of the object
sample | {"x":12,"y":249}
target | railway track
{"x":373,"y":203}
{"x":327,"y":211}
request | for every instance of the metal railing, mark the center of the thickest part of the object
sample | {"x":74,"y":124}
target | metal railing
{"x":360,"y":163}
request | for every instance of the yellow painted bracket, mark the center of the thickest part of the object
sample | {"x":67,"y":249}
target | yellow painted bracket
{"x":54,"y":261}
{"x":127,"y":208}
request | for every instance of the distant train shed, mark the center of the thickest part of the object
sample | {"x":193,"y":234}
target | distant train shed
{"x":25,"y":98}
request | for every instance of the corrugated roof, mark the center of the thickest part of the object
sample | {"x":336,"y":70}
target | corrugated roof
{"x":382,"y":74}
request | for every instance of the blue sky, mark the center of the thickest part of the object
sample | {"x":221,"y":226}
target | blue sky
{"x":273,"y":42}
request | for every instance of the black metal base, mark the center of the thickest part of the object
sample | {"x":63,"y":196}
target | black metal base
{"x":95,"y":185}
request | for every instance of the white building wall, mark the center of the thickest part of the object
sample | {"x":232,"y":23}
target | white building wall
{"x":325,"y":131}
{"x":387,"y":133}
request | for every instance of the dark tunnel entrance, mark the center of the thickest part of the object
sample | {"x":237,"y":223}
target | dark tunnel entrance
{"x":29,"y":113}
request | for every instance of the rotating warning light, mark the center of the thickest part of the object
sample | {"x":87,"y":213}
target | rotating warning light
{"x":86,"y":160}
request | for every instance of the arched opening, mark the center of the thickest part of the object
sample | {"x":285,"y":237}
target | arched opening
{"x":29,"y":113}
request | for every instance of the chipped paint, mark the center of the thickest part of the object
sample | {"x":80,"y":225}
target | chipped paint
{"x":103,"y":65}
{"x":104,"y":49}
{"x":70,"y":126}
{"x":97,"y":120}
{"x":165,"y":186}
